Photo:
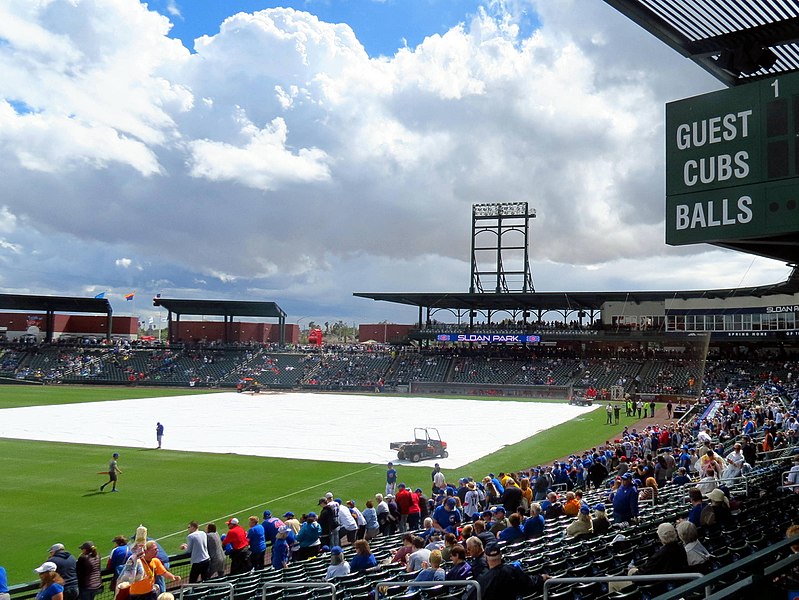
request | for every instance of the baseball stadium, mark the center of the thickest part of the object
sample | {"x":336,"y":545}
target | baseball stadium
{"x":569,"y":445}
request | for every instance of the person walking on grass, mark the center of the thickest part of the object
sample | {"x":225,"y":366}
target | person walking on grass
{"x":113,"y":471}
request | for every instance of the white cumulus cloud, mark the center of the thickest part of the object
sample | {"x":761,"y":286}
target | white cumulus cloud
{"x":279,"y":157}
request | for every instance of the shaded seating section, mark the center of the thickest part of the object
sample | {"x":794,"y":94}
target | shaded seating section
{"x":413,"y":366}
{"x":273,"y":370}
{"x":670,"y":376}
{"x":604,"y":373}
{"x":479,"y":370}
{"x":348,"y":371}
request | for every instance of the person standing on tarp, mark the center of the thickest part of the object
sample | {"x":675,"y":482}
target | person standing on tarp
{"x":159,"y":433}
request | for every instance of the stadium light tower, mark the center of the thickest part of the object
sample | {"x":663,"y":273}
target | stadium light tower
{"x":501,"y":252}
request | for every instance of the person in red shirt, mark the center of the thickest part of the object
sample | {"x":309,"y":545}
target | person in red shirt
{"x":408,"y":506}
{"x":236,"y":540}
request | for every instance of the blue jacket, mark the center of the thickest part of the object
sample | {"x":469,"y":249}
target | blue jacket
{"x":625,"y":503}
{"x":308,"y":534}
{"x":280,"y":553}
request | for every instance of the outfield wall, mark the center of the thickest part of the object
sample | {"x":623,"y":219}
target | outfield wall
{"x":544,"y":392}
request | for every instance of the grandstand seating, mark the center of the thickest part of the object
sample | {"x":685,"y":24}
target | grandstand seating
{"x":366,"y":369}
{"x":348,"y":371}
{"x":413,"y":366}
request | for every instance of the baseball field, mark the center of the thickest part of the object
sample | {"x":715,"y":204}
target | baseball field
{"x":49,"y":489}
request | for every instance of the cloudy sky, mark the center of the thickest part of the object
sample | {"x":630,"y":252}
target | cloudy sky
{"x":299,"y":152}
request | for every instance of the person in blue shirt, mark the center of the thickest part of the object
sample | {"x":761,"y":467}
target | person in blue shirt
{"x":280,"y":549}
{"x":534,"y":526}
{"x":52,"y":583}
{"x":271,"y":526}
{"x":4,"y":595}
{"x":432,"y":571}
{"x":514,"y":532}
{"x":363,"y":559}
{"x":681,"y":478}
{"x":391,"y":479}
{"x":695,"y":496}
{"x":257,"y":539}
{"x":118,"y":558}
{"x":497,"y":484}
{"x":308,"y":537}
{"x":446,"y":517}
{"x":625,"y":500}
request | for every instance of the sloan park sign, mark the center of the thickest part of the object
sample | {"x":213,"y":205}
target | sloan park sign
{"x":732,"y":163}
{"x":488,"y":338}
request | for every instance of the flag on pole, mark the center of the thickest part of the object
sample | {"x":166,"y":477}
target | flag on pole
{"x":100,"y":296}
{"x":129,"y":297}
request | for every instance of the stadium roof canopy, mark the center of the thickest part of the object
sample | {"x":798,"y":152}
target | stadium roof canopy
{"x":546,"y":301}
{"x":53,"y":304}
{"x":226,"y":308}
{"x":223,"y":308}
{"x":736,"y":42}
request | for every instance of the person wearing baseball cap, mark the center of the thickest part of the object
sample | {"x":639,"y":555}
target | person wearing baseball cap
{"x":308,"y":537}
{"x":90,"y":582}
{"x":500,"y":521}
{"x":236,"y":538}
{"x":581,"y":527}
{"x":271,"y":524}
{"x":66,"y":567}
{"x":52,"y":584}
{"x":338,"y":566}
{"x":290,"y":521}
{"x":502,"y":581}
{"x":280,"y":549}
{"x":625,"y":500}
{"x":600,"y":521}
{"x":328,"y":522}
{"x":113,"y":471}
{"x":447,"y":517}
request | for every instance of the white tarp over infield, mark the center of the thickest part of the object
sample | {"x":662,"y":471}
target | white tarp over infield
{"x":330,"y":427}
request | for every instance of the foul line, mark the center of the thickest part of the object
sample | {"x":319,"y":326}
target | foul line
{"x":249,"y":508}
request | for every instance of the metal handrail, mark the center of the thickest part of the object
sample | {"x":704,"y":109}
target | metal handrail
{"x":610,"y":578}
{"x":299,"y":584}
{"x":784,"y":480}
{"x":429,"y":584}
{"x":205,"y":585}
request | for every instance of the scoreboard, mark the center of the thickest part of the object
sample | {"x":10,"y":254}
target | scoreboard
{"x":732,"y":163}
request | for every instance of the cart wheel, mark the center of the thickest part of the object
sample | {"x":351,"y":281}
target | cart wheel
{"x":401,"y":455}
{"x":416,"y":457}
{"x":444,"y":454}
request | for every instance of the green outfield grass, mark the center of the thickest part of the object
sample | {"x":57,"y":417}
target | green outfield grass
{"x":49,"y":491}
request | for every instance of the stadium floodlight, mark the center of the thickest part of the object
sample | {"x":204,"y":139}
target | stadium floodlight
{"x":502,"y":209}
